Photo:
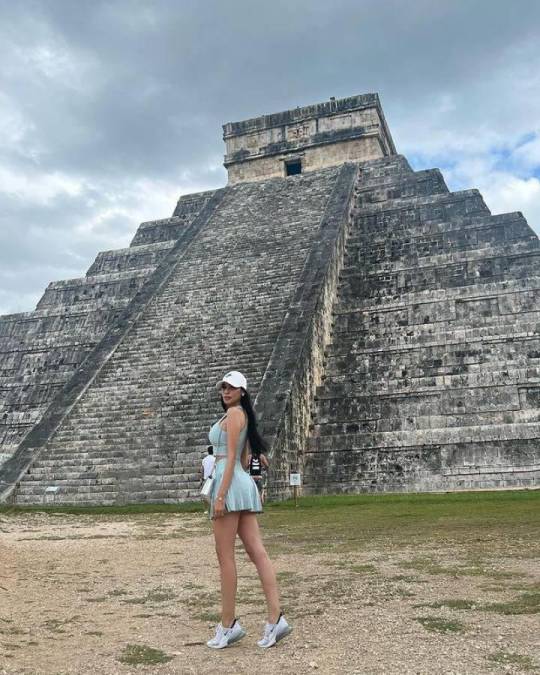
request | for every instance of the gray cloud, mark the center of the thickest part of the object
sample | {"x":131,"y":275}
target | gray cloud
{"x":108,"y":110}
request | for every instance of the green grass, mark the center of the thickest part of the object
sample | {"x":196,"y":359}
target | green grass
{"x":142,"y":655}
{"x":480,"y":520}
{"x":465,"y":569}
{"x":154,"y":595}
{"x":511,"y":658}
{"x":407,"y":507}
{"x":124,"y":510}
{"x":364,"y":569}
{"x":526,"y":603}
{"x":436,"y":624}
{"x":211,"y":617}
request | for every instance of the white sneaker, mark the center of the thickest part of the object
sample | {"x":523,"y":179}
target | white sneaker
{"x":274,"y":632}
{"x":226,"y":636}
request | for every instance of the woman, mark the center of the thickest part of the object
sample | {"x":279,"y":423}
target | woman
{"x":234,"y":501}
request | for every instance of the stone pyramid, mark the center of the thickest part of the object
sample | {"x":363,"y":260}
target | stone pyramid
{"x":388,"y":327}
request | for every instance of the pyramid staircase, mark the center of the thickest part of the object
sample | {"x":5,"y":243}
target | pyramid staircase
{"x":131,"y":423}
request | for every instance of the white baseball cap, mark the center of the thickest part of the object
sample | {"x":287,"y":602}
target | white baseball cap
{"x":235,"y":379}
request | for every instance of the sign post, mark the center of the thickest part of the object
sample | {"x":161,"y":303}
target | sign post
{"x":295,"y":480}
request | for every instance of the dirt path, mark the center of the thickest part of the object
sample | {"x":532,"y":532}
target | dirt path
{"x":76,"y":591}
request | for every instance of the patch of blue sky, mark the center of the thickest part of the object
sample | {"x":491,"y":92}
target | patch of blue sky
{"x":517,"y":158}
{"x":420,"y":161}
{"x":447,"y":164}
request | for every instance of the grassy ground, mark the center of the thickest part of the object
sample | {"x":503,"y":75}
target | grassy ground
{"x":431,"y":583}
{"x":473,"y":519}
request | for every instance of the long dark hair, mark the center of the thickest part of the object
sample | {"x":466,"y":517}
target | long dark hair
{"x":257,"y":443}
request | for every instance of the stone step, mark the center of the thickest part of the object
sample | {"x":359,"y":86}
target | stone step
{"x":84,"y":479}
{"x":378,"y":171}
{"x":108,"y":465}
{"x":382,"y":284}
{"x":86,"y":289}
{"x":108,"y":494}
{"x":507,"y":309}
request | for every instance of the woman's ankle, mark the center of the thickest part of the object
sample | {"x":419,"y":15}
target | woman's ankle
{"x":274,"y":617}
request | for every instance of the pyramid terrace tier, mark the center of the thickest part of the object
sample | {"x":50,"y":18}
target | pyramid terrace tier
{"x":415,"y":184}
{"x":171,"y":229}
{"x":487,"y":233}
{"x":100,"y":289}
{"x":146,"y":257}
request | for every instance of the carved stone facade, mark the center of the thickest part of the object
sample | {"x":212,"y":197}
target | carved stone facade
{"x":388,"y":328}
{"x":317,"y":136}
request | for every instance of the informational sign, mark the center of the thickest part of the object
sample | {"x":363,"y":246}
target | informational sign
{"x":50,"y":493}
{"x":295,"y":479}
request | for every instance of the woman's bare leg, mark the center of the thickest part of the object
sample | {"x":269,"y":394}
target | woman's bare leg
{"x":249,"y":533}
{"x":225,"y":529}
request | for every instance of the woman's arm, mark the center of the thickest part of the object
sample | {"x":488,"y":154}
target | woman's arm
{"x":265,"y":461}
{"x":235,"y":422}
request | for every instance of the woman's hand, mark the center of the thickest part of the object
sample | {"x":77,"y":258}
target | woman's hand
{"x":219,"y":506}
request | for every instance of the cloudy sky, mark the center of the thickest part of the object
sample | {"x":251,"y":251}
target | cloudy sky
{"x":109,"y":110}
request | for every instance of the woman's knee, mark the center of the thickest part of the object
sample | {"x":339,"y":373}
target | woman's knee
{"x":256,"y":552}
{"x":225,"y":552}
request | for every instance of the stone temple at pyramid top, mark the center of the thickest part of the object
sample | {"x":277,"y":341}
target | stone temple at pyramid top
{"x":307,"y":139}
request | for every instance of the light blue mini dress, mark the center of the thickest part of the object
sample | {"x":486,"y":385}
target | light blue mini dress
{"x":242,"y":494}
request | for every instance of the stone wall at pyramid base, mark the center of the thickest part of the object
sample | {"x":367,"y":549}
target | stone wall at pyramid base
{"x":484,"y":465}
